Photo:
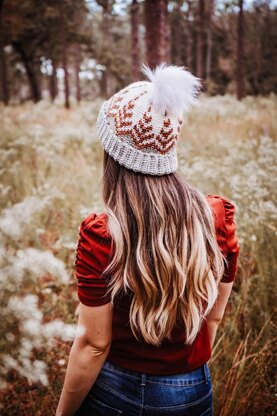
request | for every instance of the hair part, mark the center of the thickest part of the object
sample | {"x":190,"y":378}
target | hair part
{"x":164,"y":251}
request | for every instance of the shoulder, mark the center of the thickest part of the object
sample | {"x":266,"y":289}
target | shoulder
{"x":225,"y":226}
{"x":92,"y":257}
{"x":221,"y":206}
{"x":95,"y":225}
{"x":95,"y":242}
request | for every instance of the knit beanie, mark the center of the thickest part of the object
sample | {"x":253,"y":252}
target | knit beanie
{"x":139,"y":126}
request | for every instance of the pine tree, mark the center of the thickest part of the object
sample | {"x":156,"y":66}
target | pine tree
{"x":240,"y":52}
{"x":3,"y":65}
{"x":135,"y":40}
{"x":200,"y":39}
{"x":157,"y":31}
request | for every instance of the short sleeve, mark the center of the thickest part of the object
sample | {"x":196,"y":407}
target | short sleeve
{"x":92,"y":257}
{"x":226,"y":235}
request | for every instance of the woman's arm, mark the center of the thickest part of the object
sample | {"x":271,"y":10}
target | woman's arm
{"x":217,"y":312}
{"x":87,"y":356}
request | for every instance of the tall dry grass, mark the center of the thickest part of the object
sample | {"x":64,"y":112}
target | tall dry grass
{"x":50,"y":176}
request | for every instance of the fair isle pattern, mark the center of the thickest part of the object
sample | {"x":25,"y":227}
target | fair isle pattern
{"x":142,"y":132}
{"x":144,"y":137}
{"x":131,"y":157}
{"x":136,"y":135}
{"x":117,"y":98}
{"x":124,"y":116}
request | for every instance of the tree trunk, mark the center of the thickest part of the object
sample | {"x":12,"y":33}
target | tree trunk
{"x":107,"y":45}
{"x":164,"y":32}
{"x":200,"y":40}
{"x":107,"y":6}
{"x":77,"y":71}
{"x":188,"y":39}
{"x":135,"y":41}
{"x":179,"y":32}
{"x":157,"y":32}
{"x":240,"y":52}
{"x":78,"y":19}
{"x":152,"y":34}
{"x":66,"y":76}
{"x":28,"y":62}
{"x":209,"y":40}
{"x":64,"y":57}
{"x":103,"y":84}
{"x":53,"y":86}
{"x":3,"y":66}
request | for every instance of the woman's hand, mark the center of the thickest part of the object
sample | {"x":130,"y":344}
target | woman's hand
{"x":87,"y":356}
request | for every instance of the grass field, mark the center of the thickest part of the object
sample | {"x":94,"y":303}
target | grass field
{"x":51,"y":167}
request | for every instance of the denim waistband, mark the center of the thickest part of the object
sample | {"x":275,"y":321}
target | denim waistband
{"x":198,"y":375}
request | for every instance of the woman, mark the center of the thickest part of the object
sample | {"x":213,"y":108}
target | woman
{"x":154,"y":271}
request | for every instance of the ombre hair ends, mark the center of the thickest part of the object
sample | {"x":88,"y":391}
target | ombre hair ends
{"x":165,"y":251}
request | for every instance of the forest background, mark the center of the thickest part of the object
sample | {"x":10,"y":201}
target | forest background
{"x":93,"y":48}
{"x":58,"y":61}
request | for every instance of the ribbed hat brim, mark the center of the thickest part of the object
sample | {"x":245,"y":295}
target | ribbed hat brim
{"x":131,"y":157}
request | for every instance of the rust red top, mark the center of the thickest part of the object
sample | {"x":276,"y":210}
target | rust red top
{"x":93,"y":255}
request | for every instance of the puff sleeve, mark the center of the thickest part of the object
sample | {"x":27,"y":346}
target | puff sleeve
{"x":226,"y":235}
{"x":92,"y":257}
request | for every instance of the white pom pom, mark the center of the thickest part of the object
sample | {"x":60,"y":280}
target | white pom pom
{"x":174,"y":89}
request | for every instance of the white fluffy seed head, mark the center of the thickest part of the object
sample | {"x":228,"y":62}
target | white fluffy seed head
{"x":174,"y":89}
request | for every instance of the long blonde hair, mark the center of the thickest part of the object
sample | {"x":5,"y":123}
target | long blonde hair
{"x":165,"y":251}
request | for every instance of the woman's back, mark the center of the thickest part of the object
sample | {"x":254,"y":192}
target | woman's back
{"x":171,"y":357}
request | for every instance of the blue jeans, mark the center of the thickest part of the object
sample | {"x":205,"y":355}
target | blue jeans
{"x":118,"y":391}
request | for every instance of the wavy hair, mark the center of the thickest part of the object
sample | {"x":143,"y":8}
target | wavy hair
{"x":164,"y":251}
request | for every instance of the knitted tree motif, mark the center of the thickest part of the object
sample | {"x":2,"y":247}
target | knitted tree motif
{"x":123,"y":119}
{"x":116,"y":100}
{"x":115,"y":104}
{"x":142,"y":133}
{"x":144,"y":137}
{"x":165,"y":139}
